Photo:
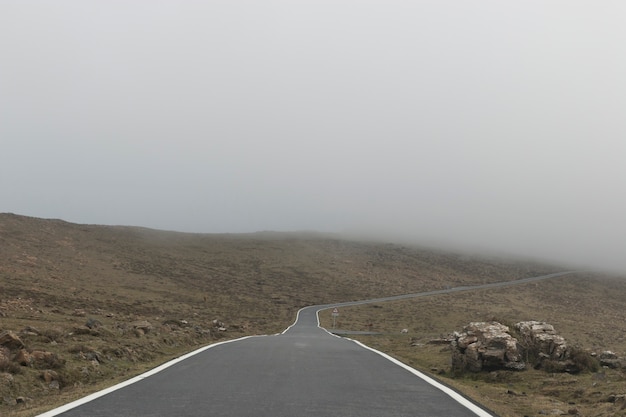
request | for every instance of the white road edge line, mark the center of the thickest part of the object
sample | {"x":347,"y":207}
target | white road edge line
{"x":452,"y":393}
{"x":138,"y":378}
{"x":447,"y":390}
{"x":296,"y":320}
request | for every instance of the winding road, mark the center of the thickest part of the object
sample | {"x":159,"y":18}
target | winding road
{"x":304,"y":371}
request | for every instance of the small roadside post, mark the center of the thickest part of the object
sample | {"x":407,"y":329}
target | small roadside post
{"x":335,"y":314}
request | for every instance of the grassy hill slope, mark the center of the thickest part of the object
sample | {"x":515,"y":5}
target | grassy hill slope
{"x":108,"y":302}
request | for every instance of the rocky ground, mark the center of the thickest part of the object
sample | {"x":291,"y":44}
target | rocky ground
{"x":85,"y":306}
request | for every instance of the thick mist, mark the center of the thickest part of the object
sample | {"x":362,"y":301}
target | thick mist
{"x":486,"y":125}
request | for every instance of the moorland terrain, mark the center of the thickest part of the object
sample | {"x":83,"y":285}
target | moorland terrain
{"x":92,"y":305}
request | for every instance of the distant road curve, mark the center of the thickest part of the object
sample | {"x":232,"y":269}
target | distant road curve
{"x":308,"y":315}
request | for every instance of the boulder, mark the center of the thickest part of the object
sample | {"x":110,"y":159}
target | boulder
{"x":485,"y":346}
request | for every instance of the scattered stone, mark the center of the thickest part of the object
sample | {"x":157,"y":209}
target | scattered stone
{"x":94,"y":355}
{"x":37,"y":357}
{"x":609,"y":359}
{"x":143,"y":326}
{"x":43,"y":356}
{"x":48,"y":376}
{"x":616,"y":398}
{"x":93,"y":323}
{"x":54,"y":385}
{"x":84,"y":330}
{"x":10,"y":340}
{"x":218,"y":324}
{"x":30,"y":331}
{"x":175,"y":324}
{"x":23,"y":357}
{"x":79,"y":312}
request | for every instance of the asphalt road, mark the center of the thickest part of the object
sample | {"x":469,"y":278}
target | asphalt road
{"x":305,"y":371}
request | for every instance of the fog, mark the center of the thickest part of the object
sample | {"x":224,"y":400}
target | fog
{"x":486,"y":125}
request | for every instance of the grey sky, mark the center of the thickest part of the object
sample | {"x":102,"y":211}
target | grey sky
{"x":487,"y":124}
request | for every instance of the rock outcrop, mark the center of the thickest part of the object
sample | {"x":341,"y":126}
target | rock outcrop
{"x":540,"y":337}
{"x":490,"y":346}
{"x":485,"y":346}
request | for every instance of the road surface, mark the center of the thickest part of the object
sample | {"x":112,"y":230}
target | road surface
{"x":304,"y":371}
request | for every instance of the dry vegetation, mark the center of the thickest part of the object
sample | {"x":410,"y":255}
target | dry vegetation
{"x":588,"y":310}
{"x":106,"y":303}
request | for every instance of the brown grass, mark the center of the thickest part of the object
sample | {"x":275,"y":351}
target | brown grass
{"x":55,"y":277}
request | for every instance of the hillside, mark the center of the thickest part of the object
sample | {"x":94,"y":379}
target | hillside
{"x":103,"y":303}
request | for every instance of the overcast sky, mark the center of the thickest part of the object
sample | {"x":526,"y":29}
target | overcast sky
{"x":485,"y":124}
